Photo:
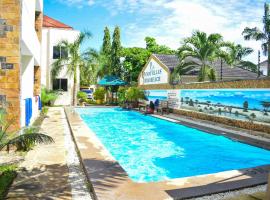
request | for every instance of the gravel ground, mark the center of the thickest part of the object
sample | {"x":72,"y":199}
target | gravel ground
{"x":226,"y":195}
{"x":76,"y":175}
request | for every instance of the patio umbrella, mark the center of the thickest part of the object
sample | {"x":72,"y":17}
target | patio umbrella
{"x":112,"y":80}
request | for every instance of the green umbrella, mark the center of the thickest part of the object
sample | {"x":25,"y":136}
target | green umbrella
{"x":111,"y":81}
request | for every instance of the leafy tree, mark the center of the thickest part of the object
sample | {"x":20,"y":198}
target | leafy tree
{"x":258,"y":35}
{"x":73,"y":62}
{"x":104,"y":59}
{"x":245,"y":106}
{"x":153,"y":47}
{"x":116,"y":52}
{"x":134,"y":60}
{"x":106,"y":45}
{"x":203,"y":49}
{"x":23,"y":142}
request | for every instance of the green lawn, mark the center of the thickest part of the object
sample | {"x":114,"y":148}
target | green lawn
{"x":7,"y":175}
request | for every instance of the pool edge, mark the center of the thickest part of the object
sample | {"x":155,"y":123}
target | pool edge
{"x":124,"y":188}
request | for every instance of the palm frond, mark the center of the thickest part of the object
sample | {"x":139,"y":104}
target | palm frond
{"x":23,"y":141}
{"x":253,"y":33}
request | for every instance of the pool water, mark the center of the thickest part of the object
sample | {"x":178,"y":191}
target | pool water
{"x":150,"y":149}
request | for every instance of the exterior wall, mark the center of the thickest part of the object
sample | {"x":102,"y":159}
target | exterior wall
{"x":50,"y":38}
{"x":263,"y":68}
{"x":154,"y":73}
{"x":20,"y":49}
{"x":10,"y":15}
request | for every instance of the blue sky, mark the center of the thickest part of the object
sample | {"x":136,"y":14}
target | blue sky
{"x":169,"y":21}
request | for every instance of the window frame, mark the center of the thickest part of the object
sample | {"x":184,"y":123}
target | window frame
{"x":60,"y":82}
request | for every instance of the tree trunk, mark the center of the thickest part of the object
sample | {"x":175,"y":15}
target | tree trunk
{"x":74,"y":102}
{"x":221,"y":69}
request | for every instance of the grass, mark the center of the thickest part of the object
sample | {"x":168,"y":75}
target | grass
{"x":8,"y":174}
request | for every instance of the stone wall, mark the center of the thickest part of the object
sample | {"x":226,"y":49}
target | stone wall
{"x":10,"y":15}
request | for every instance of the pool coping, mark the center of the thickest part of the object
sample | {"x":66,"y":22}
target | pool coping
{"x":110,"y":181}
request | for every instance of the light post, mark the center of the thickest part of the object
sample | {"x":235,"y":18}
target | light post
{"x":259,"y":63}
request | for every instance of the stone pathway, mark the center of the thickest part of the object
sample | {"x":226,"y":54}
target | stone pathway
{"x":51,"y":171}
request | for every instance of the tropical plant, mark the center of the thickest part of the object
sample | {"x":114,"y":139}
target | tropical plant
{"x":259,"y":35}
{"x":121,"y":94}
{"x":237,"y":53}
{"x":82,"y":96}
{"x":203,"y":49}
{"x":153,"y":47}
{"x":133,"y":94}
{"x":48,"y":97}
{"x":73,"y":61}
{"x":99,"y":94}
{"x":24,"y":140}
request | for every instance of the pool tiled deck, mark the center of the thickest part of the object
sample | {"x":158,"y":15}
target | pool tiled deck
{"x":111,"y":182}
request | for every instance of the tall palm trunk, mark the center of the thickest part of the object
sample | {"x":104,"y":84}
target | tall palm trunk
{"x":74,"y":102}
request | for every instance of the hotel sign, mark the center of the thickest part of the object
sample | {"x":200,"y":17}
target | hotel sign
{"x":154,"y":74}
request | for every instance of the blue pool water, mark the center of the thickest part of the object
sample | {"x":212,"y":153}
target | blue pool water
{"x":151,"y":149}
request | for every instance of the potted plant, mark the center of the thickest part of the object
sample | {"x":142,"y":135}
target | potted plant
{"x":82,"y":97}
{"x":99,"y":95}
{"x":133,"y":94}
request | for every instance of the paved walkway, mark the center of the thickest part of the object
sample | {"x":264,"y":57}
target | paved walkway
{"x":51,"y":172}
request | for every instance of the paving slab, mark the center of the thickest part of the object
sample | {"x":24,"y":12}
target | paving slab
{"x":46,"y":169}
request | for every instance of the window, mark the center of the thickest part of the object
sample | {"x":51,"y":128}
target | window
{"x":59,"y":52}
{"x":60,"y":84}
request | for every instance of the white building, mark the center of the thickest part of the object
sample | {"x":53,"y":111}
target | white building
{"x":20,"y":58}
{"x":54,"y":32}
{"x":263,"y":68}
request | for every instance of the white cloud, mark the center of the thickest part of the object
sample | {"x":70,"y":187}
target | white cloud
{"x":169,"y":21}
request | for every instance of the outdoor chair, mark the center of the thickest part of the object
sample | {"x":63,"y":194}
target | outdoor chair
{"x":163,"y":107}
{"x":142,"y":104}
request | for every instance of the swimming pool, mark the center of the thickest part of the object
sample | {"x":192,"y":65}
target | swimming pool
{"x":150,"y":149}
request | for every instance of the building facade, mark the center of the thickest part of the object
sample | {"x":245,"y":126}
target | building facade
{"x":264,"y":68}
{"x":20,"y":58}
{"x":53,"y":32}
{"x":159,"y":67}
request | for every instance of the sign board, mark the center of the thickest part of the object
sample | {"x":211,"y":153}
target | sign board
{"x":174,"y":99}
{"x":153,"y":74}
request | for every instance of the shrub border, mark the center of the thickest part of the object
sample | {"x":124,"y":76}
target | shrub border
{"x":231,"y":122}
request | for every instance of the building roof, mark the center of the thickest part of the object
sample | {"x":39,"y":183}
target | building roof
{"x":264,"y":62}
{"x":172,"y":61}
{"x":49,"y":22}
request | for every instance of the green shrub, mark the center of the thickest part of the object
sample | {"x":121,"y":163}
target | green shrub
{"x":99,"y":94}
{"x":6,"y":179}
{"x":48,"y":97}
{"x":121,"y":94}
{"x":133,"y":94}
{"x":82,"y":96}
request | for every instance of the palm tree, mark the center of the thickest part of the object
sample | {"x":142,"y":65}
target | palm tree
{"x":89,"y":71}
{"x":259,"y":35}
{"x":73,"y":61}
{"x":27,"y":138}
{"x":236,"y":55}
{"x":203,"y":49}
